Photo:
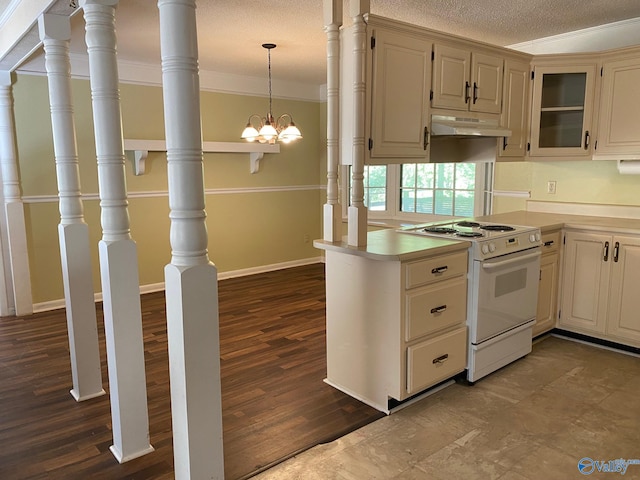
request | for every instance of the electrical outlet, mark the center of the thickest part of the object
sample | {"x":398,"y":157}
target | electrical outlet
{"x":306,"y":238}
{"x":551,"y":187}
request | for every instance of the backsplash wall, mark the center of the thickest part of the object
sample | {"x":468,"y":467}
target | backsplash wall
{"x":586,"y":181}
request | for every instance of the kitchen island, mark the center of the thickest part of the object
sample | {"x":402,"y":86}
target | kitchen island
{"x":396,"y":313}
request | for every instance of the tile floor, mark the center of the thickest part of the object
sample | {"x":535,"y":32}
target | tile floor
{"x":534,"y":419}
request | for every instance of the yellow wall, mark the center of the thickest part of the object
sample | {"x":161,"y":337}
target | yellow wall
{"x":577,"y":182}
{"x":246,"y":229}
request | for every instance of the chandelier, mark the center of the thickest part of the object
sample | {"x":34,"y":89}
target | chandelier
{"x":266,"y":129}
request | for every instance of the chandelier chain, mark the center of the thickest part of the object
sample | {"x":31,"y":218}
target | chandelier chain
{"x":270,"y":106}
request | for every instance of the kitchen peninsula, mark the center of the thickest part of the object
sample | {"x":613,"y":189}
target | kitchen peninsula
{"x":379,"y":347}
{"x":396,"y":308}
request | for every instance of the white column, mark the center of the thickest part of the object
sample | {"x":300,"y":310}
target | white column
{"x":73,"y":232}
{"x":357,"y":212}
{"x":18,"y":297}
{"x":190,"y":279}
{"x":332,"y":213}
{"x":118,"y":254}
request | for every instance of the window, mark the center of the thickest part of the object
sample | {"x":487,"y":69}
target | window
{"x":438,"y":188}
{"x":418,"y":191}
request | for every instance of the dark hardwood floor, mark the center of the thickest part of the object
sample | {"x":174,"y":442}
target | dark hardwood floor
{"x":272,"y":341}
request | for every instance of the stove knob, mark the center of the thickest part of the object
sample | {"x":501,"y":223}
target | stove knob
{"x":537,"y":237}
{"x":492,"y":247}
{"x":534,"y":237}
{"x":485,"y":249}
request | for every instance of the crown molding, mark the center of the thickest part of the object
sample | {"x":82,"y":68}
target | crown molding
{"x":624,"y":33}
{"x":151,"y":74}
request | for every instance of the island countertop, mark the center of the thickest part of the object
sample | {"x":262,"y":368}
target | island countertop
{"x":390,"y":245}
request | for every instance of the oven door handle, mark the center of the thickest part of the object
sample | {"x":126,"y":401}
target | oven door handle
{"x":503,"y":263}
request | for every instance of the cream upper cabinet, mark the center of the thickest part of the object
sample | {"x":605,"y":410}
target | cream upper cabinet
{"x":619,"y":124}
{"x":465,"y":80}
{"x":562,"y":109}
{"x":515,"y":112}
{"x":624,"y":299}
{"x":401,"y":80}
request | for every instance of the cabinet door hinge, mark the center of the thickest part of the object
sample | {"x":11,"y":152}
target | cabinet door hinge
{"x":533,"y":74}
{"x":371,"y":144}
{"x":373,"y":42}
{"x":430,"y":94}
{"x":528,"y":146}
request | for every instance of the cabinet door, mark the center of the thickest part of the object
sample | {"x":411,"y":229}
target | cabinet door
{"x":562,"y":110}
{"x":515,"y":114}
{"x":486,"y":83}
{"x":451,"y":82}
{"x":619,"y":126}
{"x":586,"y":281}
{"x":547,"y":294}
{"x":624,"y":312}
{"x":400,"y":96}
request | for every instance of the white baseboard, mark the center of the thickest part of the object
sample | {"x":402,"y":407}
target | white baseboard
{"x":158,"y":287}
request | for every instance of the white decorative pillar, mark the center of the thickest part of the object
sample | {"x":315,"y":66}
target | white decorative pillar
{"x":332,"y":213}
{"x":118,"y":254}
{"x":357,"y":212}
{"x":73,"y":232}
{"x":18,"y":298}
{"x":191,"y":282}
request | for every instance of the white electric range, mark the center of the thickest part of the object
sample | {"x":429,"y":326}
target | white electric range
{"x":502,"y":289}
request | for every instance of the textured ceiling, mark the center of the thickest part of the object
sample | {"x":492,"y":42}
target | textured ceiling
{"x":230,"y":32}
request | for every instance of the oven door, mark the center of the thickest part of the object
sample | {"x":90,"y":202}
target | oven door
{"x":506,"y":293}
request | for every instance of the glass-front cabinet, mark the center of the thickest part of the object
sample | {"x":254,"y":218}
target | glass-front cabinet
{"x":562,"y":110}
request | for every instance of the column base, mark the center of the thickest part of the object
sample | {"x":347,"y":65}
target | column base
{"x":357,"y":234}
{"x":79,"y":398}
{"x":332,"y":231}
{"x":122,"y":459}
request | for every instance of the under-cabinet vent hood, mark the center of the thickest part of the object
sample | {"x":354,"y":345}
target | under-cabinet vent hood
{"x":444,"y":125}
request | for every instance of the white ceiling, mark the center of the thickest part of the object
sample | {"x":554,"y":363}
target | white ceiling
{"x":230,"y":32}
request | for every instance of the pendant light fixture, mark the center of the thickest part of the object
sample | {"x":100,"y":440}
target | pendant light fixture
{"x":266,"y":129}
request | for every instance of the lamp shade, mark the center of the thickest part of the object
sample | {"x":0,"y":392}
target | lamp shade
{"x":250,"y":134}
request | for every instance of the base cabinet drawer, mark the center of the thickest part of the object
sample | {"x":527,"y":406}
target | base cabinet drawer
{"x":435,"y":269}
{"x":436,"y":307}
{"x":435,"y":360}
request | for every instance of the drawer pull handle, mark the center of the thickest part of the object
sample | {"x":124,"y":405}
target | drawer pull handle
{"x":439,"y":309}
{"x":441,"y":359}
{"x":437,"y":270}
{"x":549,"y":243}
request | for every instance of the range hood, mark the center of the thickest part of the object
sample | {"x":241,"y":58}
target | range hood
{"x":450,"y":126}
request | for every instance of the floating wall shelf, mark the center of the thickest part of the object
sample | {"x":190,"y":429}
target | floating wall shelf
{"x":256,"y":151}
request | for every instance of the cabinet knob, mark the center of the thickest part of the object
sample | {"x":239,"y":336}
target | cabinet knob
{"x":605,"y":255}
{"x":586,"y":140}
{"x":616,"y":251}
{"x":466,"y":92}
{"x":475,"y":92}
{"x":437,"y":270}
